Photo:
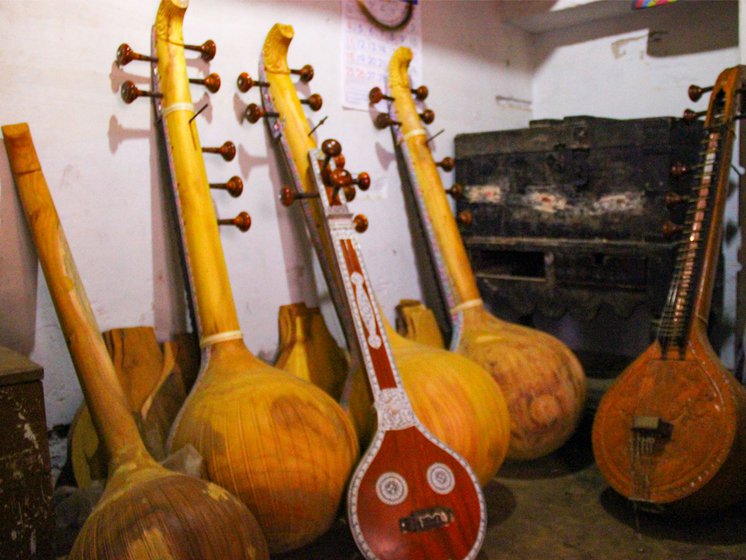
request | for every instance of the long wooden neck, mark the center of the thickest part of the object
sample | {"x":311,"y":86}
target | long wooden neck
{"x":447,"y":249}
{"x":208,"y":274}
{"x":293,"y":133}
{"x":690,"y":295}
{"x":103,"y":394}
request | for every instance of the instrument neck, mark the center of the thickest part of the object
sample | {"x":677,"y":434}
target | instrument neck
{"x":103,"y":394}
{"x":206,"y":268}
{"x":447,"y":250}
{"x":690,"y":295}
{"x":293,"y":133}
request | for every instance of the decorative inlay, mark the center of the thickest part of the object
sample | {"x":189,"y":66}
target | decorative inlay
{"x":394,"y":410}
{"x":441,"y":478}
{"x":391,"y":488}
{"x":366,"y":309}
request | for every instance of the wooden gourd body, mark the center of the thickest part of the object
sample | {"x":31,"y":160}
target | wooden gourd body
{"x":280,"y":444}
{"x":541,"y":379}
{"x":475,"y":424}
{"x":308,"y":350}
{"x":146,"y":512}
{"x":671,"y":430}
{"x":700,"y":468}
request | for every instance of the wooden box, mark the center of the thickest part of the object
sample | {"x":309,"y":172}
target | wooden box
{"x":26,"y":520}
{"x":569,"y":214}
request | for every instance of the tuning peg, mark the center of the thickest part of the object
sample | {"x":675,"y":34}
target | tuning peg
{"x":361,"y":223}
{"x":375,"y":95}
{"x":383,"y":120}
{"x":670,"y":229}
{"x":288,"y":196}
{"x":362,"y":181}
{"x":332,"y":149}
{"x":421,"y":92}
{"x":446,"y":164}
{"x":690,"y":115}
{"x":242,"y":221}
{"x":227,"y":150}
{"x":314,"y":102}
{"x":211,"y":82}
{"x":246,"y":82}
{"x":679,"y":168}
{"x":427,"y":116}
{"x":465,"y":217}
{"x":129,"y":92}
{"x":207,"y":49}
{"x":696,"y":92}
{"x":253,"y":113}
{"x":234,"y":186}
{"x":672,"y":199}
{"x":125,"y":55}
{"x":456,"y":191}
{"x":305,"y":73}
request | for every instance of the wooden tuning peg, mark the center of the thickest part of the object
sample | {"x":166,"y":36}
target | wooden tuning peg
{"x":421,"y":92}
{"x":288,"y":196}
{"x":446,"y":164}
{"x":129,"y":92}
{"x":465,"y":217}
{"x":227,"y":150}
{"x":253,"y":113}
{"x":690,"y":115}
{"x":383,"y":120}
{"x":361,"y":223}
{"x":696,"y":92}
{"x":456,"y":191}
{"x":332,"y":149}
{"x":376,"y":94}
{"x":671,"y":230}
{"x":305,"y":73}
{"x":125,"y":55}
{"x":211,"y":82}
{"x":672,"y":199}
{"x":314,"y":102}
{"x":362,"y":181}
{"x":242,"y":221}
{"x":244,"y":82}
{"x":207,"y":49}
{"x":234,"y":186}
{"x":427,"y":116}
{"x":679,"y":168}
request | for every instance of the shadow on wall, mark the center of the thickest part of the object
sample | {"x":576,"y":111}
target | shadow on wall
{"x":18,"y":269}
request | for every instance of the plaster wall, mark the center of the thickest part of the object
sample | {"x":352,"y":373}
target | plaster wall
{"x":101,"y":160}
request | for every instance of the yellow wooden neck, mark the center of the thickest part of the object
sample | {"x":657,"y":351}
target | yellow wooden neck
{"x":103,"y":393}
{"x":213,"y":297}
{"x":427,"y":181}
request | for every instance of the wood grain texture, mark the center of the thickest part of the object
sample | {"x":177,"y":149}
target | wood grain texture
{"x":279,"y":443}
{"x":146,"y":511}
{"x":697,"y":466}
{"x":409,"y":455}
{"x":453,"y":397}
{"x":308,"y":350}
{"x":417,"y":322}
{"x":541,"y":379}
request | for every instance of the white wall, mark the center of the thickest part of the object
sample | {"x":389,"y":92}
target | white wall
{"x":100,"y":158}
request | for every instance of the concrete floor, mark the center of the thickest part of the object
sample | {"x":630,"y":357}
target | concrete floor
{"x":560,"y":508}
